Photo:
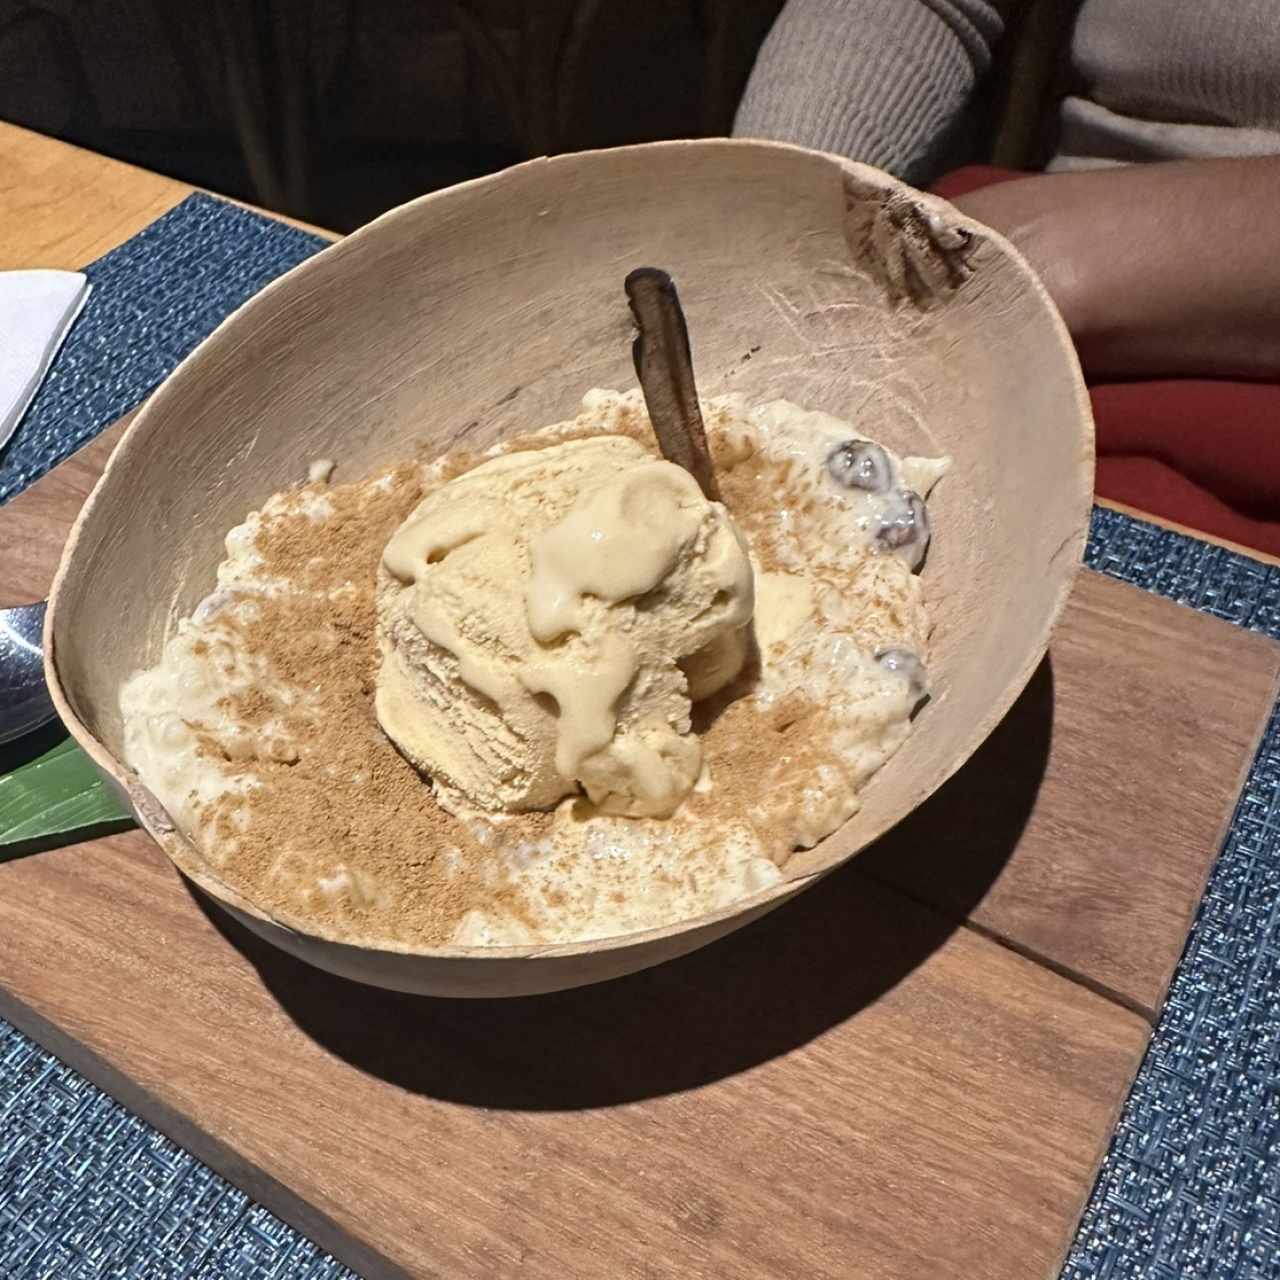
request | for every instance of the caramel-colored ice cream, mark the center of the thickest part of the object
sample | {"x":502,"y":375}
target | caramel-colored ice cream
{"x":537,"y":616}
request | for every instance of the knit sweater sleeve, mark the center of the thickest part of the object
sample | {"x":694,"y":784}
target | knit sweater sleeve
{"x":882,"y":81}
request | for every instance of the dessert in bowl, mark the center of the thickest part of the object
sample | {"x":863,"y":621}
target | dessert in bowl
{"x":416,"y":733}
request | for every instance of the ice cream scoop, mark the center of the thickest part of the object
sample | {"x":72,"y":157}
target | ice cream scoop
{"x":540,"y":619}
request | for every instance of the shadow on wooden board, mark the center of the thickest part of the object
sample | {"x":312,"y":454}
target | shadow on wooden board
{"x":774,"y":985}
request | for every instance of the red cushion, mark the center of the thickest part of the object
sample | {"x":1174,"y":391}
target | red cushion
{"x":1202,"y":453}
{"x":959,"y":182}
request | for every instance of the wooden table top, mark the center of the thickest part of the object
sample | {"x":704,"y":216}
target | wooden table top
{"x":62,"y":206}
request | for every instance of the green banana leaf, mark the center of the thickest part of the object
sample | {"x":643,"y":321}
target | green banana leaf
{"x":58,"y":798}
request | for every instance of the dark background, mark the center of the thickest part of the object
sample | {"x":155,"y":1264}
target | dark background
{"x":334,"y":110}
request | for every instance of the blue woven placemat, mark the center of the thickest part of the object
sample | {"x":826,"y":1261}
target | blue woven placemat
{"x":154,"y":298}
{"x":1191,"y":1185}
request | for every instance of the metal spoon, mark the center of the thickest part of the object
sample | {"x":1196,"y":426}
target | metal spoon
{"x":24,"y":698}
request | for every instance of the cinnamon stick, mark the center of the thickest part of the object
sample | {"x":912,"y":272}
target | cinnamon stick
{"x":664,"y":365}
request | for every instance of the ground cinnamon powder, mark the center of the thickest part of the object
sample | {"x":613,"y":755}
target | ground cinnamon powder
{"x":743,"y":743}
{"x":347,"y":801}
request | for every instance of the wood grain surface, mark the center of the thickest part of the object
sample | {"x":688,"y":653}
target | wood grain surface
{"x":1083,"y":831}
{"x":62,"y":207}
{"x":853,"y":1087}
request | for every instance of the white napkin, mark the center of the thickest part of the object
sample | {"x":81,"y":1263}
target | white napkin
{"x":36,"y":310}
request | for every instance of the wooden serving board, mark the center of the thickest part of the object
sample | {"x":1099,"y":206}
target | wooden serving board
{"x":911,"y":1070}
{"x":1084,"y":830}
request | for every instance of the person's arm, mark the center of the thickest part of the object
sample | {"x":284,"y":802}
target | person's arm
{"x":1158,"y":269}
{"x":881,"y":81}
